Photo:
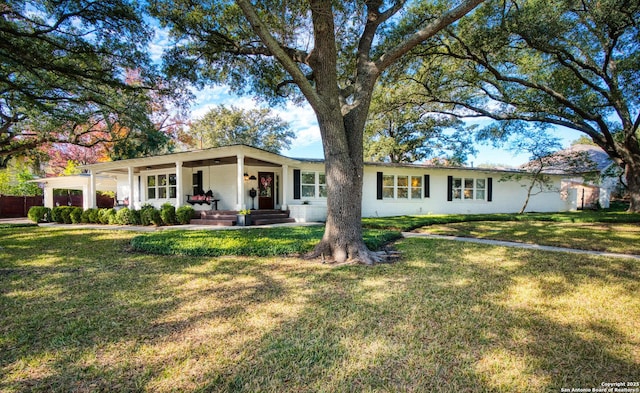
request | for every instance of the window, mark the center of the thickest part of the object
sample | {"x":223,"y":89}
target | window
{"x":416,"y":187}
{"x":468,"y":188}
{"x":151,"y":187}
{"x":322,"y":185}
{"x":162,"y":186}
{"x":313,"y":185}
{"x":401,"y":187}
{"x":388,"y":186}
{"x":308,"y":184}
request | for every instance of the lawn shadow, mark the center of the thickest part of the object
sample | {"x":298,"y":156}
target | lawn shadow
{"x":449,"y":317}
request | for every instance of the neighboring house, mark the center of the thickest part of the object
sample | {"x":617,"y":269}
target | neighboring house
{"x":589,"y":175}
{"x":242,"y":177}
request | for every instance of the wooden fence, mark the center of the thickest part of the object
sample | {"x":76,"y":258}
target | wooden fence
{"x":18,"y":206}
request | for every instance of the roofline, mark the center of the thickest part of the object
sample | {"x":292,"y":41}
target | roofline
{"x":186,"y":155}
{"x":248,"y":150}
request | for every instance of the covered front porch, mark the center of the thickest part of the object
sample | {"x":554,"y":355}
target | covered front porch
{"x":221,"y":179}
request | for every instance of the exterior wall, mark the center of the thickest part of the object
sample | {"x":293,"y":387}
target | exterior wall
{"x":507,"y":196}
{"x":305,"y":209}
{"x":220,"y":179}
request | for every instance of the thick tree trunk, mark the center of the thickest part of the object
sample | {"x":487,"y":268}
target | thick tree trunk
{"x":342,"y":240}
{"x":633,"y":184}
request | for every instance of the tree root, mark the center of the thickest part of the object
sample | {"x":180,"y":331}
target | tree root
{"x":357,"y":255}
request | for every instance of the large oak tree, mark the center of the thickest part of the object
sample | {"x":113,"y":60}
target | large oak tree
{"x":564,"y":63}
{"x":66,"y":70}
{"x":329,"y":53}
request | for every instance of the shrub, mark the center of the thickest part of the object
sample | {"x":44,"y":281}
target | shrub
{"x":56,"y":215}
{"x":135,"y":217}
{"x":146,"y":213}
{"x":65,"y":211}
{"x":107,"y":216}
{"x":124,"y":216}
{"x":85,"y":217}
{"x":184,"y":214}
{"x":39,"y":214}
{"x":168,"y":214}
{"x":156,"y":218}
{"x":62,"y":214}
{"x":94,"y":216}
{"x":76,"y":215}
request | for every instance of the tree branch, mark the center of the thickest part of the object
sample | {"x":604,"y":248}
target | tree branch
{"x":279,"y":53}
{"x":425,"y":33}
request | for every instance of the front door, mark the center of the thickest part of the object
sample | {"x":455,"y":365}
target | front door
{"x":265,"y":190}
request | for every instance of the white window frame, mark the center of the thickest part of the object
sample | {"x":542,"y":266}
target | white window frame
{"x":319,"y":184}
{"x":468,"y":188}
{"x":168,"y":189}
{"x":401,"y":190}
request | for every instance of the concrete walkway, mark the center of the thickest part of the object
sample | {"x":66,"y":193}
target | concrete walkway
{"x":521,"y":245}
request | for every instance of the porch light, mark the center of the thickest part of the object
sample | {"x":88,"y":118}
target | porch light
{"x":246,"y":176}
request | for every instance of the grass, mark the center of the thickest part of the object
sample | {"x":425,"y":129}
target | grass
{"x":408,"y":223}
{"x":248,"y":242}
{"x":80,"y":313}
{"x":619,"y":238}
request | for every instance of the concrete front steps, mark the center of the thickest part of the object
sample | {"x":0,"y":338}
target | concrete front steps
{"x":228,"y":217}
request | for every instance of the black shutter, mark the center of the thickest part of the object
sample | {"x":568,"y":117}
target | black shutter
{"x":296,"y":184}
{"x":490,"y":189}
{"x":379,"y":185}
{"x":449,"y":188}
{"x":427,"y":186}
{"x":197,"y":183}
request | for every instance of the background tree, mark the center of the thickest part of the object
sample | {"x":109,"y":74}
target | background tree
{"x":14,"y":179}
{"x":65,"y":70}
{"x":565,"y":63}
{"x":545,"y":159}
{"x":222,"y":126}
{"x":399,"y":130}
{"x":328,"y":53}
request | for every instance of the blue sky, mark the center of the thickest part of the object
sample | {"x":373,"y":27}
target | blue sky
{"x":307,"y":143}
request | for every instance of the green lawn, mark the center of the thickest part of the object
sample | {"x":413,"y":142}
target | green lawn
{"x":620,"y":238}
{"x":81,"y":312}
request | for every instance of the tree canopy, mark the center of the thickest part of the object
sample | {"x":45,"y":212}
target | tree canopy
{"x":223,"y":126}
{"x":399,"y":130}
{"x":65,"y":73}
{"x":564,"y":63}
{"x":329,"y":53}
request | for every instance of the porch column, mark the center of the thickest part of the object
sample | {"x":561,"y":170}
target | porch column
{"x":48,"y":196}
{"x":285,"y":186}
{"x":241,"y":200}
{"x":131,"y":186}
{"x":92,"y":190}
{"x":179,"y":185}
{"x":86,"y":196}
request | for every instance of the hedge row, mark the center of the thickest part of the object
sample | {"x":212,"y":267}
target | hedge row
{"x":147,"y":215}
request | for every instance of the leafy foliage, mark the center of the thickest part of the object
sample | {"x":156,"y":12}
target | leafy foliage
{"x":400,"y":128}
{"x":250,"y":242}
{"x":564,"y":63}
{"x":64,"y":76}
{"x":223,"y":126}
{"x":184,"y":214}
{"x":168,"y":214}
{"x":39,"y":214}
{"x":14,"y":180}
